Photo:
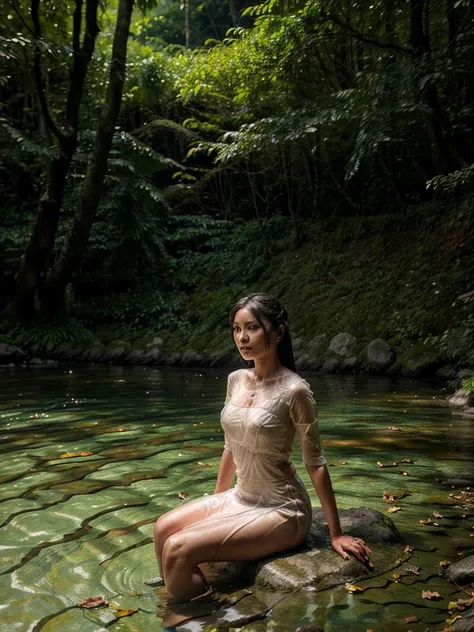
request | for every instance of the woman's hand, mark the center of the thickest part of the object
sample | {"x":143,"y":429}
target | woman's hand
{"x":359,"y":549}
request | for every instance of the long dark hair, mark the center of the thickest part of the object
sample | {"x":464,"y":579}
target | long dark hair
{"x":270,"y":313}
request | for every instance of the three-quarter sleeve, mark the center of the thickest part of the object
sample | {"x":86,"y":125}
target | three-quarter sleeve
{"x":302,"y":408}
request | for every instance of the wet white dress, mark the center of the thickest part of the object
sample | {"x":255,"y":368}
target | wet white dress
{"x":260,"y":420}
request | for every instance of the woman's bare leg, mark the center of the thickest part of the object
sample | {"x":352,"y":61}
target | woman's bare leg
{"x":181,"y":517}
{"x":217,"y":540}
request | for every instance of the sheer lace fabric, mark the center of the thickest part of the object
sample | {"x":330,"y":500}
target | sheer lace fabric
{"x":260,"y":420}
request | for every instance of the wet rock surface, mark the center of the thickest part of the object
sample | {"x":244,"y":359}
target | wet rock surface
{"x":316,"y":564}
{"x":279,"y":581}
{"x":462,"y":572}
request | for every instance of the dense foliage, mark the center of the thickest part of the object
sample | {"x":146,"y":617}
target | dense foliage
{"x":245,"y":131}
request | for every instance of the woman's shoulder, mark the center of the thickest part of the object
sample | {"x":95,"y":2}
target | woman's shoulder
{"x":237,"y":375}
{"x":296,"y":382}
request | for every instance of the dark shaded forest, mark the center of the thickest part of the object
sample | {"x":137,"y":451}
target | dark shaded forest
{"x":158,"y":160}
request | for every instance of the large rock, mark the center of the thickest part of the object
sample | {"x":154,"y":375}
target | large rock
{"x":380,"y":355}
{"x":10,"y":353}
{"x":115,"y":352}
{"x":167,"y":138}
{"x":317,"y":564}
{"x":461,"y":397}
{"x":462,"y":571}
{"x":149,"y":356}
{"x":342,"y":344}
{"x":419,"y":359}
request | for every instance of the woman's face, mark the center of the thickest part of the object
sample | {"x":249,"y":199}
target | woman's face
{"x":249,"y":335}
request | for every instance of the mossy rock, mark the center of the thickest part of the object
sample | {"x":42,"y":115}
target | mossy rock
{"x":94,"y":353}
{"x":419,"y":359}
{"x":168,"y":138}
{"x":316,"y":564}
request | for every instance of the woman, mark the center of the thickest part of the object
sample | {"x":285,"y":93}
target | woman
{"x":269,"y":510}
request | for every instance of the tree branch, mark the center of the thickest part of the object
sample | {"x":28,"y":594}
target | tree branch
{"x":20,"y":17}
{"x":77,"y":23}
{"x":50,"y":122}
{"x":82,"y":57}
{"x":367,"y":39}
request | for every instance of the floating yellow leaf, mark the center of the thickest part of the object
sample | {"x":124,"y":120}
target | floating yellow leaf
{"x":123,"y":612}
{"x":453,"y":619}
{"x":444,"y":563}
{"x":70,"y":455}
{"x":404,"y":472}
{"x":429,"y":594}
{"x":352,"y":589}
{"x":394,"y":509}
{"x":183,"y":495}
{"x":202,"y":464}
{"x":396,"y":576}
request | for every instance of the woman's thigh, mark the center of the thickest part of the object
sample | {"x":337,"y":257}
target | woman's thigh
{"x":189,"y":514}
{"x":237,"y":538}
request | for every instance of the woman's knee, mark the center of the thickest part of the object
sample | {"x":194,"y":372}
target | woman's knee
{"x":175,"y":549}
{"x":164,"y":527}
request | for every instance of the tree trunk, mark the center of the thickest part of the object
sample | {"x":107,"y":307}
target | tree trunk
{"x":452,"y":23}
{"x":52,"y":293}
{"x":443,"y":155}
{"x":41,"y":242}
{"x":187,"y":23}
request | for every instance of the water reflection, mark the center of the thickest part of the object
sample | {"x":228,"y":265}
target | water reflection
{"x":91,"y":458}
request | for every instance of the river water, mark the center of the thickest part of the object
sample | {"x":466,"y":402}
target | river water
{"x":91,"y":456}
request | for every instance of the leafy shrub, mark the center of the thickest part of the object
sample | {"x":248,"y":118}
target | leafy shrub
{"x":41,"y":339}
{"x":137,"y":309}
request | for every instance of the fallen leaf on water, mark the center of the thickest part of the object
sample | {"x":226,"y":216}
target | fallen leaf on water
{"x":407,"y":461}
{"x":460,"y":604}
{"x":394,"y":429}
{"x":119,"y":380}
{"x":70,"y":455}
{"x":408,"y":549}
{"x":396,"y":576}
{"x":380,"y":464}
{"x":412,"y":619}
{"x":394,"y":509}
{"x":427,"y":522}
{"x":429,"y":594}
{"x":391,"y":496}
{"x":202,"y":464}
{"x":436,"y":514}
{"x":93,"y":602}
{"x":124,"y":612}
{"x":404,"y":473}
{"x":453,"y":619}
{"x":352,"y":589}
{"x":183,"y":495}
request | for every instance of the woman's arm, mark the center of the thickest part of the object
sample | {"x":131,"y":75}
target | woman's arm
{"x":340,"y":543}
{"x":226,"y":472}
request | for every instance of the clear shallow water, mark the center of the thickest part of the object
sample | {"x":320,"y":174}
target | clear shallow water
{"x":76,"y":526}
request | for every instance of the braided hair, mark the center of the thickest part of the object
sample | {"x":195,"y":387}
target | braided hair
{"x":270,"y":313}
